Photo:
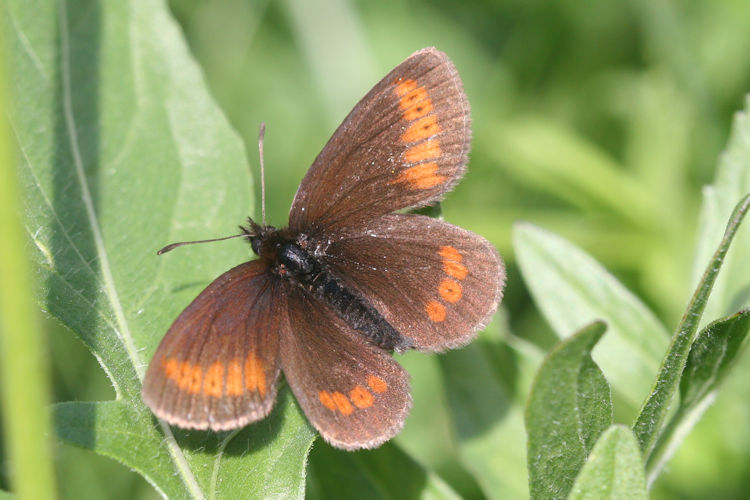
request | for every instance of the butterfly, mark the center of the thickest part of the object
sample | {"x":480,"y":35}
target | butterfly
{"x":347,"y":283}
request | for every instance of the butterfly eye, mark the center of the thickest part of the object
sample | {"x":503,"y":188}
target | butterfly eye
{"x":255,"y":244}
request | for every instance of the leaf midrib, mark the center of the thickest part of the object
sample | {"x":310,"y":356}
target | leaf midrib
{"x":123,"y":332}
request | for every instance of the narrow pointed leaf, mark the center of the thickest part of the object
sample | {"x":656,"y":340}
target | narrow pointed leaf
{"x":650,"y":421}
{"x":711,"y":355}
{"x":569,"y":407}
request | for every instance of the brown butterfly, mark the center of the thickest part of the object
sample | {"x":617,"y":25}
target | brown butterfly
{"x":347,"y":283}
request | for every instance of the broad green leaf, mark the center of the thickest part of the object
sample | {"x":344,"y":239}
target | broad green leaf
{"x":649,"y":423}
{"x":387,"y":472}
{"x":570,"y":405}
{"x":4,"y":495}
{"x":711,"y":355}
{"x":108,"y":428}
{"x":732,"y":182}
{"x":572,"y":290}
{"x":122,"y":151}
{"x":614,"y":470}
{"x":487,"y":422}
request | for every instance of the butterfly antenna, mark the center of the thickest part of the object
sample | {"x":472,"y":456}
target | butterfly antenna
{"x":172,"y":246}
{"x":261,"y":134}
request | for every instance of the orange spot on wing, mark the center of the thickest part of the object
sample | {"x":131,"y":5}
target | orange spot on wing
{"x":377,"y":384}
{"x":255,"y":376}
{"x":418,"y":110}
{"x":342,"y":403}
{"x":422,"y":176}
{"x":435,"y":311}
{"x":361,"y":397}
{"x":212,"y":384}
{"x":196,"y":379}
{"x":234,"y":378}
{"x":190,"y":377}
{"x":171,"y":368}
{"x":327,"y":400}
{"x":455,"y":269}
{"x":415,"y":104}
{"x":424,"y":151}
{"x":450,"y":290}
{"x":415,"y":96}
{"x":404,"y":87}
{"x":450,"y":253}
{"x":421,"y":129}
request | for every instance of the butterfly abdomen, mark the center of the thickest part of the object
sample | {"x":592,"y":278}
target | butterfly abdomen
{"x":358,"y":313}
{"x":300,"y":267}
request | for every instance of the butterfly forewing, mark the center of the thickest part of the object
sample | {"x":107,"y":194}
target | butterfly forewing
{"x":436,"y":283}
{"x":353,"y":393}
{"x":405,"y":144}
{"x":218,"y":364}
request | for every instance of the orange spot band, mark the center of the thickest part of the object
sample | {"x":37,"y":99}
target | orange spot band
{"x":455,"y":269}
{"x":234,"y":378}
{"x":327,"y":400}
{"x":421,"y":129}
{"x":377,"y":384}
{"x":361,"y":397}
{"x":213,"y":383}
{"x":403,"y":87}
{"x":435,"y":311}
{"x":424,"y":151}
{"x":422,"y":176}
{"x":255,"y":376}
{"x":342,"y":403}
{"x":450,"y":253}
{"x":450,"y":290}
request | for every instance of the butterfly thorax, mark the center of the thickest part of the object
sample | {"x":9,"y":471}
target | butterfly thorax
{"x":290,"y":259}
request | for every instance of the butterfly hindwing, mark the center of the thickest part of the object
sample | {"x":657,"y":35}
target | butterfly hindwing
{"x":218,"y":364}
{"x":435,"y":283}
{"x":352,"y":392}
{"x":404,"y":144}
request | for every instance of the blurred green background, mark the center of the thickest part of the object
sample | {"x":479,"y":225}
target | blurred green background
{"x":597,"y":120}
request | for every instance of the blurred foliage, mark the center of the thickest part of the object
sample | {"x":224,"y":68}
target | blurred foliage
{"x":597,"y":120}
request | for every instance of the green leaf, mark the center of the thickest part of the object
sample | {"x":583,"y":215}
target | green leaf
{"x":488,"y":424}
{"x":122,"y":150}
{"x":614,"y":470}
{"x":116,"y":430}
{"x":649,"y":423}
{"x":387,"y":472}
{"x":572,"y":290}
{"x":711,"y":355}
{"x":732,"y":182}
{"x":569,"y":407}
